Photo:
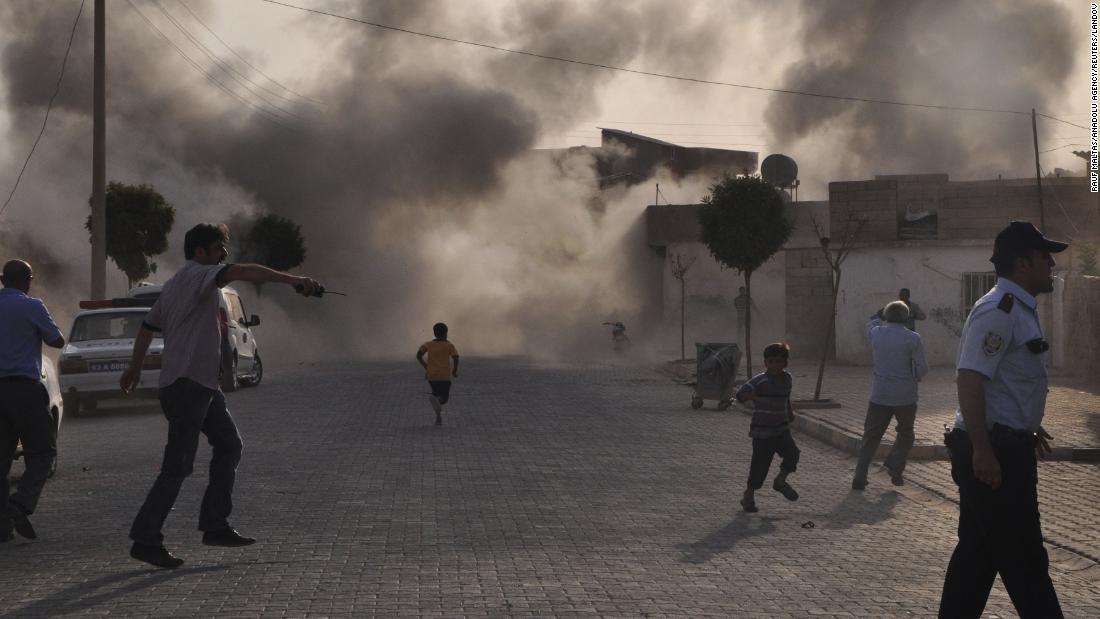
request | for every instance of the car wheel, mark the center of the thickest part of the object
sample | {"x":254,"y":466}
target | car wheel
{"x":257,"y":373}
{"x":72,"y":405}
{"x":230,"y":381}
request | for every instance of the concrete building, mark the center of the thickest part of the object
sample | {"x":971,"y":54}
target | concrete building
{"x":935,"y":236}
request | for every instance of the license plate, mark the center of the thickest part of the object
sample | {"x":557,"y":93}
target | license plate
{"x":108,"y":366}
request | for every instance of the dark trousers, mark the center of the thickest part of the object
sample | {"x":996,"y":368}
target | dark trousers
{"x":764,"y":449}
{"x":999,"y":532}
{"x":441,"y":389}
{"x":192,"y":409}
{"x":25,"y":416}
{"x":874,"y":426}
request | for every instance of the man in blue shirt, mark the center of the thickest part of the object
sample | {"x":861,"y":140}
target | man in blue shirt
{"x":24,"y":403}
{"x":899,"y":363}
{"x":1002,"y":384}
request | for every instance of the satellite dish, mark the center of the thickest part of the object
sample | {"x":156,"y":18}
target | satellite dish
{"x":779,"y":170}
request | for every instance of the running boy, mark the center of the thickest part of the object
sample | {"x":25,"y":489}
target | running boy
{"x":438,"y":367}
{"x":770,"y":393}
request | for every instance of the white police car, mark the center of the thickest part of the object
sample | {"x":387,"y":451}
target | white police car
{"x":99,"y":349}
{"x":241,"y":363}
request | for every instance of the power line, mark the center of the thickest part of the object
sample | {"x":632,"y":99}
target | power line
{"x":245,"y":61}
{"x":228,"y":70}
{"x":1061,"y":120}
{"x":1050,"y":150}
{"x":1062,"y":208}
{"x":650,"y":73}
{"x":265,"y":113}
{"x":49,"y":106}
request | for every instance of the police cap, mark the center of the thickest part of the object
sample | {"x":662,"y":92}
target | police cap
{"x":1020,"y":237}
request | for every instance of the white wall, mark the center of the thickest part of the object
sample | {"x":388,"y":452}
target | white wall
{"x":715,"y":321}
{"x":872,"y":277}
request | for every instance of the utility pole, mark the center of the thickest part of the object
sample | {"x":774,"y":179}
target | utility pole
{"x":99,"y":155}
{"x":1038,"y":172}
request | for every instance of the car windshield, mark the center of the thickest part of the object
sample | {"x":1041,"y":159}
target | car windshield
{"x":107,"y":326}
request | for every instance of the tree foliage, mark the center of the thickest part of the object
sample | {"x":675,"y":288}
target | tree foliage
{"x":744,"y":222}
{"x":138,"y":222}
{"x":270,"y":240}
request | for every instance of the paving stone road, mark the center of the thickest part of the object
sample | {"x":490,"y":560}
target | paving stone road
{"x":550,"y":491}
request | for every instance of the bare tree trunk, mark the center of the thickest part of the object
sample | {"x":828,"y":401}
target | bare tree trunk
{"x":682,"y":355}
{"x":828,"y":334}
{"x":748,"y":324}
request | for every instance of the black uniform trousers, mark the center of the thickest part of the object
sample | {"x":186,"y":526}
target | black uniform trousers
{"x":192,"y":409}
{"x":999,"y":531}
{"x":25,"y":415}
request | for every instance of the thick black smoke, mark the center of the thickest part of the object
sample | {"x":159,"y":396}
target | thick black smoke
{"x":1013,"y":54}
{"x":414,"y":183}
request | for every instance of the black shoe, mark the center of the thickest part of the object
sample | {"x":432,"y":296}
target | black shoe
{"x":786,"y":490}
{"x":749,"y":505}
{"x":895,"y":477}
{"x":21,"y":522}
{"x":6,"y":536}
{"x":155,"y":555}
{"x":226,"y":537}
{"x":438,"y":420}
{"x":859,"y":484}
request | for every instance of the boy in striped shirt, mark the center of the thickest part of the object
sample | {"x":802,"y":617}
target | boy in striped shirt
{"x":770,"y":393}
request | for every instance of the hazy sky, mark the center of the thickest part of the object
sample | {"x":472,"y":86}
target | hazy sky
{"x":414,"y":179}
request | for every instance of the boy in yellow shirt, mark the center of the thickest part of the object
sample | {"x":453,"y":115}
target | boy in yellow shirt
{"x":438,"y":368}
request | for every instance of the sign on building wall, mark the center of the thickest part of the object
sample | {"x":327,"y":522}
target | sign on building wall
{"x":918,"y":212}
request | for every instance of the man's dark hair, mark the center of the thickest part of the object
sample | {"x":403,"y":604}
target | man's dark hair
{"x":1005,"y":262}
{"x":903,"y":291}
{"x":203,"y":236}
{"x":778,"y":349}
{"x":16,"y":274}
{"x":440,"y":330}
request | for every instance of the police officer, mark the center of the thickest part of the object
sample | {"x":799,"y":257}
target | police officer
{"x":1002,"y":385}
{"x":24,"y":402}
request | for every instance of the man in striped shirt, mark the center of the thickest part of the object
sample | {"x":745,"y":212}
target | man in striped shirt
{"x":770,"y":393}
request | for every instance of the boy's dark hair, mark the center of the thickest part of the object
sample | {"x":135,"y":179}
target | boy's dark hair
{"x":203,"y":236}
{"x":778,"y":349}
{"x":440,"y":330}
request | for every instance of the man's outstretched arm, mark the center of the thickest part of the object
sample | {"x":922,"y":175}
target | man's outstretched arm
{"x":259,"y":274}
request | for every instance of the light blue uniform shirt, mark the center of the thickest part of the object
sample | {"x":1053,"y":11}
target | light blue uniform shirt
{"x":899,"y":363}
{"x":994,"y":344}
{"x":24,"y":324}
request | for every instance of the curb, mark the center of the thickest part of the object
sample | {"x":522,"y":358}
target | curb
{"x":848,"y":441}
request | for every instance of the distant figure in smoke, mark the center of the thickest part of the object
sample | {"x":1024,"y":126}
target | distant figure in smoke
{"x":915,"y":312}
{"x":898,"y":355}
{"x":438,"y":368}
{"x":741,"y":306}
{"x":25,"y":324}
{"x":619,"y":340}
{"x":190,"y":394}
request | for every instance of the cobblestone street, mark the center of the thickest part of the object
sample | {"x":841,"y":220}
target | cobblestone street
{"x":549,"y":491}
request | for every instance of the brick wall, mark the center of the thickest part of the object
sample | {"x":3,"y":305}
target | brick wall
{"x":968,"y":210}
{"x":1082,"y":316}
{"x":809,"y":300}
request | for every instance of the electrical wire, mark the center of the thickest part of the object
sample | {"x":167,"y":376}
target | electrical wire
{"x":1059,"y":202}
{"x":245,"y":61}
{"x":263,"y":111}
{"x":651,"y":73}
{"x":228,"y":70}
{"x":49,"y":106}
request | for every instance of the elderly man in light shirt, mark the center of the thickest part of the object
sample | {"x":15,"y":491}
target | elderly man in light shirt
{"x":899,"y":364}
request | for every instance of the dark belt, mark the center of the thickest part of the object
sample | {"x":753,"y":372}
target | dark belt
{"x":1000,"y":435}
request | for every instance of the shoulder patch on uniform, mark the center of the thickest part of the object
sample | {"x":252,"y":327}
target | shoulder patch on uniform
{"x":992,"y":343}
{"x":1006,"y":303}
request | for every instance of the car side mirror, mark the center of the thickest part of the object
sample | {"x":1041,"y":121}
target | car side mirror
{"x":255,"y":321}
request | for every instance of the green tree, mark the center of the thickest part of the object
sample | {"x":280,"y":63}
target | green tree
{"x":270,"y":240}
{"x":138,"y":222}
{"x":744,"y":222}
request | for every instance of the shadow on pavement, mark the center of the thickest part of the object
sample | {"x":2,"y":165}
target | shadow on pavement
{"x":86,"y":595}
{"x":742,"y":527}
{"x":856,"y":508}
{"x":125,"y":409}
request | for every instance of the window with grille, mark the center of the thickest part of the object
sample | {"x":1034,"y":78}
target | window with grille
{"x":974,"y":287}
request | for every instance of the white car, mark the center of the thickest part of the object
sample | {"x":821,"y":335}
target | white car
{"x":241,"y":363}
{"x":98,"y":351}
{"x":57,"y":405}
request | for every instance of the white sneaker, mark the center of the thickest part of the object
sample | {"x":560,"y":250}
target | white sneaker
{"x":436,"y":406}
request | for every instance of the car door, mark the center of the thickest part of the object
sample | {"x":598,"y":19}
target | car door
{"x":239,"y":330}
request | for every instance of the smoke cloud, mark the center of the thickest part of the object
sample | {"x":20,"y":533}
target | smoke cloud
{"x":415,"y":183}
